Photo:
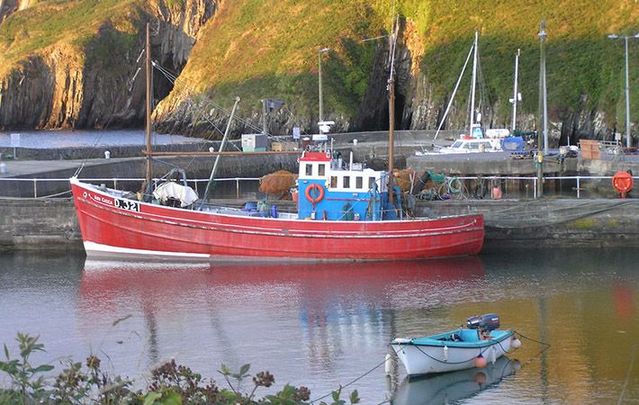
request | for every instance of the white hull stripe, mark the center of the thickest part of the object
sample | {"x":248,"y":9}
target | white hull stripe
{"x":99,"y":249}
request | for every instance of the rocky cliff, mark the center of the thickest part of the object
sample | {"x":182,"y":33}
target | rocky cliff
{"x":90,"y":78}
{"x":75,"y":63}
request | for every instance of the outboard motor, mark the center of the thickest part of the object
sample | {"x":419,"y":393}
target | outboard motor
{"x":485,"y":322}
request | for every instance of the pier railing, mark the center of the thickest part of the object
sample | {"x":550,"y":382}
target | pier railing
{"x":465,"y":187}
{"x":59,"y":187}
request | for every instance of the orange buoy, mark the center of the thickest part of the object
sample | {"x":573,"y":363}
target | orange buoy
{"x":480,"y":361}
{"x":622,"y":182}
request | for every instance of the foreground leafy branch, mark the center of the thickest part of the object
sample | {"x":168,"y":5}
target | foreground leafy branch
{"x":170,"y":384}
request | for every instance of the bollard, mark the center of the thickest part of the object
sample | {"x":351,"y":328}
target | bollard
{"x":107,"y":154}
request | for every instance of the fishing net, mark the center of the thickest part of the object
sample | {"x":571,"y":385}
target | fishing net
{"x":404,"y":178}
{"x":278,"y":184}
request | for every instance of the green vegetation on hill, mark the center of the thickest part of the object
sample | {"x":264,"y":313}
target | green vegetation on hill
{"x":53,"y":24}
{"x":269,"y":48}
{"x":257,"y":49}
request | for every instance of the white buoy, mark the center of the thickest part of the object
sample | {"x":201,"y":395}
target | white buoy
{"x":388,"y":364}
{"x":515,"y":344}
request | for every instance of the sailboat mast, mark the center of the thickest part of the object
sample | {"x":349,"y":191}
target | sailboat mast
{"x":515,"y":91}
{"x":149,"y":168}
{"x":473,"y":86}
{"x":542,"y":83}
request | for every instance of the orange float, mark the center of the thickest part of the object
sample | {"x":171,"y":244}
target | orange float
{"x":622,"y":182}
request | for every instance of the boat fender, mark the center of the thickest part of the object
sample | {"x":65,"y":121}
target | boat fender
{"x":309,"y":193}
{"x":445,"y":353}
{"x":493,"y":354}
{"x":515,"y":343}
{"x":480,"y":361}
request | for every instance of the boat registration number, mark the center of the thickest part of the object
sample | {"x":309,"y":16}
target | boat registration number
{"x":127,"y":205}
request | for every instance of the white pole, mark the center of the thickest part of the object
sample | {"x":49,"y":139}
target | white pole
{"x":515,"y":91}
{"x":473,"y":84}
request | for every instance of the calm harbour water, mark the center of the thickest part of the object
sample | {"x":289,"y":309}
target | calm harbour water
{"x":87,"y":138}
{"x":322,"y":325}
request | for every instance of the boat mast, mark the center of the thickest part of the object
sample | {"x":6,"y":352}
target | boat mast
{"x":542,"y":83}
{"x":147,"y":135}
{"x":222,"y":144}
{"x":391,"y":110}
{"x":473,"y":86}
{"x":515,"y":91}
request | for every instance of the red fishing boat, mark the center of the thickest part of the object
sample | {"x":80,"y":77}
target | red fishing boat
{"x":345,"y":211}
{"x":112,"y":224}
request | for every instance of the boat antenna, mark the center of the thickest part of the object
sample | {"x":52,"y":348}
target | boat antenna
{"x":147,"y":135}
{"x":391,"y":107}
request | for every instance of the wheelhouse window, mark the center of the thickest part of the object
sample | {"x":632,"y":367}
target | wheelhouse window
{"x":359,"y":182}
{"x":333,"y":181}
{"x":309,"y":169}
{"x":371,"y":182}
{"x":321,"y":170}
{"x":346,"y":182}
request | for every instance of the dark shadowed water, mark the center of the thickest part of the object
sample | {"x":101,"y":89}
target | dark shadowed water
{"x":325,"y":325}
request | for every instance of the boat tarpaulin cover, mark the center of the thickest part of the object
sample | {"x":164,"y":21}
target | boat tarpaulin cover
{"x":184,"y":194}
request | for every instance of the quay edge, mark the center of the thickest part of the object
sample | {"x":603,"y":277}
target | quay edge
{"x":47,"y":224}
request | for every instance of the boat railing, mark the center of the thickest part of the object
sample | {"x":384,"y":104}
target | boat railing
{"x":514,"y":187}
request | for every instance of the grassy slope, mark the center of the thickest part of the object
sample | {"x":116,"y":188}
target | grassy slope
{"x":59,"y":24}
{"x":580,"y":59}
{"x":269,"y":48}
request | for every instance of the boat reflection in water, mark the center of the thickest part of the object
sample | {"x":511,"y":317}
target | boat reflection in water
{"x":455,"y":386}
{"x":336,"y":312}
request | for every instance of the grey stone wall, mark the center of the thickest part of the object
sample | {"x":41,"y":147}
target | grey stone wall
{"x":38,"y":225}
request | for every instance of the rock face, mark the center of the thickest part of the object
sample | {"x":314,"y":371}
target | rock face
{"x":96,"y":85}
{"x":8,"y":7}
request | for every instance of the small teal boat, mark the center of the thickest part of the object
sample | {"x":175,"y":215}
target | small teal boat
{"x":457,"y":349}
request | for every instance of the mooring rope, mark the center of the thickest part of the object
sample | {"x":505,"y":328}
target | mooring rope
{"x":352,"y":382}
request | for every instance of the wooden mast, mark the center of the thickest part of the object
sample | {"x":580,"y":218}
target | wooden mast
{"x":147,"y":135}
{"x":391,"y":113}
